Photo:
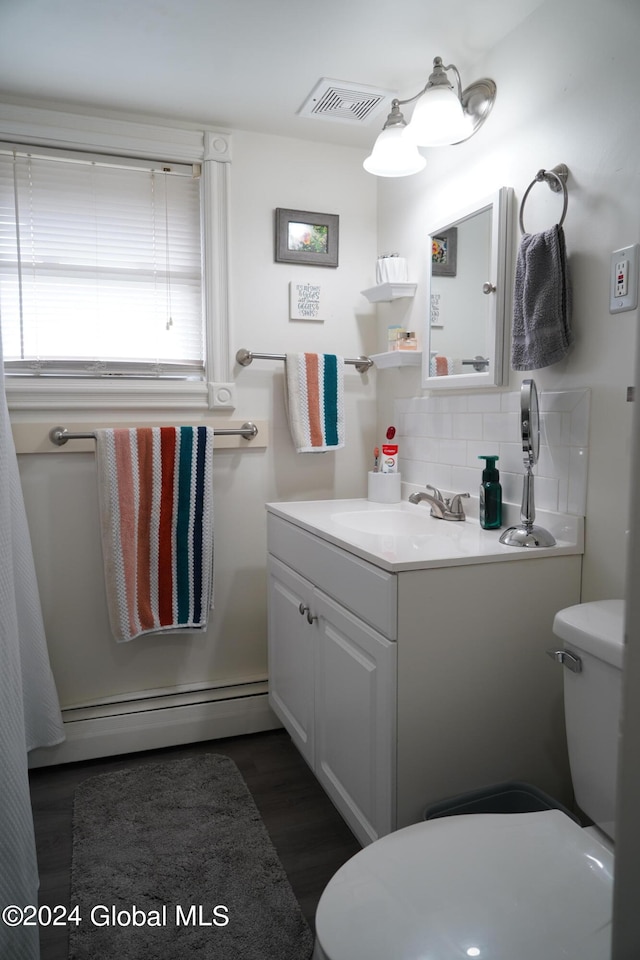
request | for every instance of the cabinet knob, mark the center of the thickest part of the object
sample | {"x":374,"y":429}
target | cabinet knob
{"x":303,"y":609}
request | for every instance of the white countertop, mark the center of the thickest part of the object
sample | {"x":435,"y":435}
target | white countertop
{"x":403,"y":536}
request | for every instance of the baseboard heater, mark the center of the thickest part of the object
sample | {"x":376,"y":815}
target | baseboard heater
{"x":151,"y":719}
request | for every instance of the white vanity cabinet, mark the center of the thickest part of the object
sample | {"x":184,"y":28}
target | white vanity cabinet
{"x":355,"y":709}
{"x":402,"y":688}
{"x":332,"y":676}
{"x":291,"y":647}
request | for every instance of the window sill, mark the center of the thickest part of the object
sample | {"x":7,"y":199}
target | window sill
{"x":63,"y":394}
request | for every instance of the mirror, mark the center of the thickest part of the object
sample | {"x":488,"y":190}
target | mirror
{"x":529,"y":422}
{"x":467,"y":297}
{"x":528,"y":534}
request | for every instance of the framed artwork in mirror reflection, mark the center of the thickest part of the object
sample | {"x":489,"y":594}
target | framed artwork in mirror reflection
{"x":444,"y":253}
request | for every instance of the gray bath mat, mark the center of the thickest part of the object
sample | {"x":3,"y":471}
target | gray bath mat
{"x":171,"y":861}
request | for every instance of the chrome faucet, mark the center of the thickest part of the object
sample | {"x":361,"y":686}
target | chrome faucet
{"x":442,"y":508}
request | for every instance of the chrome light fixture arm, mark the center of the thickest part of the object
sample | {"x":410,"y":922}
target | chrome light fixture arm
{"x":438,"y":78}
{"x":395,"y":118}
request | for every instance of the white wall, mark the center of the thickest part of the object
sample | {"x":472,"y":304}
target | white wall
{"x":270,"y":172}
{"x":560,"y":77}
{"x":60,"y":487}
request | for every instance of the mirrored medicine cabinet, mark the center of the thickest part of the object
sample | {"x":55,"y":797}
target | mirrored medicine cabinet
{"x":468,"y":300}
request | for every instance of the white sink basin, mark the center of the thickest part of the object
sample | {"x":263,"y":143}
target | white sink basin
{"x":404,"y":536}
{"x":396,"y":523}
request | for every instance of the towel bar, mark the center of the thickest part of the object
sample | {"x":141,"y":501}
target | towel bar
{"x":60,"y":435}
{"x":478,"y":363}
{"x":244,"y":358}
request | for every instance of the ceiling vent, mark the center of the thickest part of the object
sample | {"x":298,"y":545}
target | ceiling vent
{"x":348,"y":102}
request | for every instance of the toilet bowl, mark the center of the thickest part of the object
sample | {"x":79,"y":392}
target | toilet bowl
{"x":521,"y":886}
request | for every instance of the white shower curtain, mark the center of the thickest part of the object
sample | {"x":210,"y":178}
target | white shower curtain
{"x":29,"y":709}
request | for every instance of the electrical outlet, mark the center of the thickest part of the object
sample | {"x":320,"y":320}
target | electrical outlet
{"x":623,"y":290}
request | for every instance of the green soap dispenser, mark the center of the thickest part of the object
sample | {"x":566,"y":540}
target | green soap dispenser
{"x":490,"y":495}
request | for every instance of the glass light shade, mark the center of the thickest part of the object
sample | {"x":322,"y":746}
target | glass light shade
{"x":438,"y":119}
{"x":393,"y":155}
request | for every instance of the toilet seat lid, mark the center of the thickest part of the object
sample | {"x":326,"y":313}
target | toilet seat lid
{"x":494,"y":886}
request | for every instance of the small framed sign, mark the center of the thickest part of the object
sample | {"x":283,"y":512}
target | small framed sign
{"x":305,"y":301}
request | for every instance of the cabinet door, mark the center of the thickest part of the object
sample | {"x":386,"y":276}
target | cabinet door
{"x":291,"y":654}
{"x":355,"y":719}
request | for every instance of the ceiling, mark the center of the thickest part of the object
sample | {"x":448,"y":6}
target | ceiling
{"x":244,"y":64}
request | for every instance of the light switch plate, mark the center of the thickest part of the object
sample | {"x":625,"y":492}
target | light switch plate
{"x":623,"y":280}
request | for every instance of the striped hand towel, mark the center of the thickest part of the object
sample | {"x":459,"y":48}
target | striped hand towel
{"x":441,"y":366}
{"x":315,"y":401}
{"x":156,"y":513}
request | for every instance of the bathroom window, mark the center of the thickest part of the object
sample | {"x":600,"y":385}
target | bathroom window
{"x":100,"y":266}
{"x":112,"y":270}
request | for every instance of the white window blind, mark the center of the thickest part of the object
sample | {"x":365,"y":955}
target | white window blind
{"x":100,"y":266}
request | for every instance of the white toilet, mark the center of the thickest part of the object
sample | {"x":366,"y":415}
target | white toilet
{"x":501,"y":886}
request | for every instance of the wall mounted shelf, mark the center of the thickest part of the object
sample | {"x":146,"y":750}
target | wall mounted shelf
{"x":397,"y":358}
{"x":389,"y":291}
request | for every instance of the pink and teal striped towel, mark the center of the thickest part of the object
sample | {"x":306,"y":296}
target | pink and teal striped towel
{"x":156,"y":513}
{"x":315,"y":401}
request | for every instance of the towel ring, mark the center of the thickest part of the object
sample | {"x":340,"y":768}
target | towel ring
{"x":557,"y":180}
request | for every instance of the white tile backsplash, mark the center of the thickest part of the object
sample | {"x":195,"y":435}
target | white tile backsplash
{"x":453,"y":452}
{"x":468,"y":425}
{"x":441,"y":437}
{"x":483,"y":403}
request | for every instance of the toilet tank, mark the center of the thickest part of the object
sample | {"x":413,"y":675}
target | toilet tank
{"x":594,"y":633}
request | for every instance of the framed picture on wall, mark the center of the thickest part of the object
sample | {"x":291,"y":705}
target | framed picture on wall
{"x":444,"y":253}
{"x":307,"y":238}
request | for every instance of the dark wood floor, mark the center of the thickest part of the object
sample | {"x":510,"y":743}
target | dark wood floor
{"x":309,"y":835}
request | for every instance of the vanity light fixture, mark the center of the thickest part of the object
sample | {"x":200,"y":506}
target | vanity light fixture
{"x":442,"y":115}
{"x":393,"y":154}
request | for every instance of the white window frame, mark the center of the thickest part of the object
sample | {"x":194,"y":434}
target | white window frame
{"x":44,"y":127}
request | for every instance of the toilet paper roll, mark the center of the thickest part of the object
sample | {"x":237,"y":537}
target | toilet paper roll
{"x":384,"y":487}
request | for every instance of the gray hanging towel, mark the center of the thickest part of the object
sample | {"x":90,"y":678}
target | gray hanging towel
{"x":542,"y":332}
